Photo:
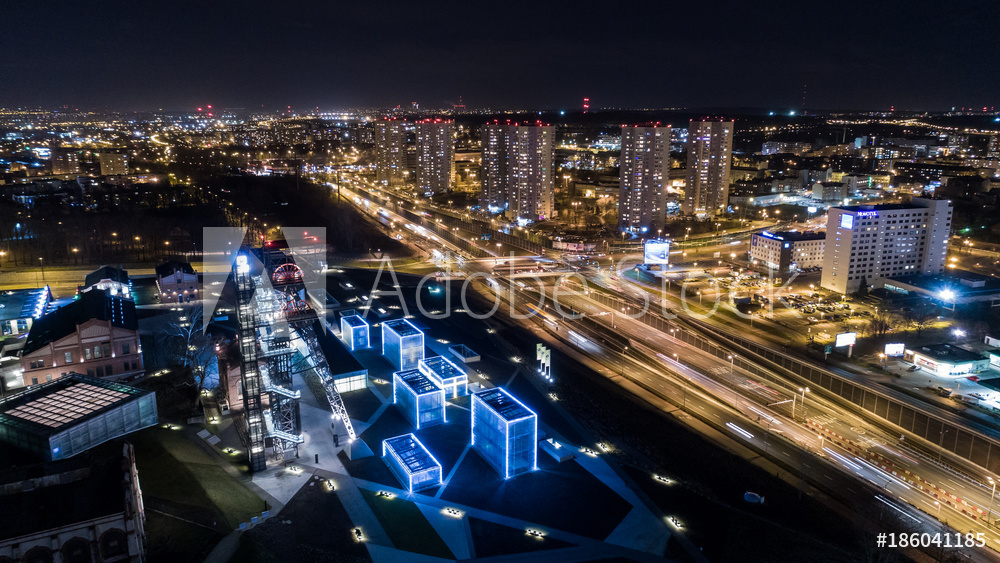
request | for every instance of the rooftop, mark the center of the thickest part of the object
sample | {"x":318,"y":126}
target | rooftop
{"x":412,"y":453}
{"x":106,"y":273}
{"x":354,"y":321}
{"x":504,"y":404}
{"x":167,"y":268}
{"x":94,"y":304}
{"x":961,"y":282}
{"x":402,"y":327}
{"x":417,"y":381}
{"x":338,"y":357}
{"x":86,"y":489}
{"x":23,"y":303}
{"x":443,"y":367}
{"x":949,"y":353}
{"x":46,"y":408}
{"x":793,"y":236}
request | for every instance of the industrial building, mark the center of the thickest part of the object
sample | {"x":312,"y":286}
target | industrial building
{"x":504,"y":432}
{"x":98,"y":334}
{"x":420,"y":400}
{"x":355,"y":332}
{"x":402,"y":344}
{"x":76,"y":510}
{"x":20,"y":308}
{"x":446,"y":375}
{"x":411,"y":463}
{"x":72,"y":414}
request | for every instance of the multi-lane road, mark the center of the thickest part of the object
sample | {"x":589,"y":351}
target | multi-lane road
{"x":839,"y":452}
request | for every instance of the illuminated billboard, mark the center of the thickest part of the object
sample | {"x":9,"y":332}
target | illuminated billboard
{"x":846,"y":339}
{"x":846,"y":221}
{"x":895,"y":349}
{"x":656,"y":252}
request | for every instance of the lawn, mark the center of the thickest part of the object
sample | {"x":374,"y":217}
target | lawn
{"x":170,"y":539}
{"x":407,"y":527}
{"x":184,"y":478}
{"x":492,"y":539}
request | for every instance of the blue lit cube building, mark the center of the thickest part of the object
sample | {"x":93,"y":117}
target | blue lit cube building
{"x":419,"y":399}
{"x":402,"y":344}
{"x":446,"y":375}
{"x":504,"y":432}
{"x":411,"y":463}
{"x":354,"y":332}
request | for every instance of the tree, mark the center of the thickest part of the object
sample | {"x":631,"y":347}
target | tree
{"x":881,"y":324}
{"x":189,"y":344}
{"x":862,"y":291}
{"x":919,"y":317}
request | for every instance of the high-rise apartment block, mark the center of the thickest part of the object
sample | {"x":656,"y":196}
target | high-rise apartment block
{"x":517,"y":175}
{"x":435,"y":155}
{"x":644,"y":166}
{"x":113,"y":163}
{"x":709,"y":157}
{"x":871,"y":242}
{"x":65,"y":161}
{"x":390,"y":152}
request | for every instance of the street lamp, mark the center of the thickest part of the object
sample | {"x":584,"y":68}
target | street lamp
{"x":989,"y":516}
{"x":41,"y":264}
{"x":732,"y":361}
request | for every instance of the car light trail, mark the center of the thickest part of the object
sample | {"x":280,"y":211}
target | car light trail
{"x":739,"y":430}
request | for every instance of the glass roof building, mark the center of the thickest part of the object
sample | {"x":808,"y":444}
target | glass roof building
{"x":402,"y":344}
{"x":446,"y":375}
{"x":419,"y":399}
{"x":411,"y":463}
{"x":504,"y":432}
{"x":355,"y":332}
{"x":72,"y":414}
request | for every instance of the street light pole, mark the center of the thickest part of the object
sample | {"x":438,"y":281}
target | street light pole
{"x":989,"y":517}
{"x":732,"y":361}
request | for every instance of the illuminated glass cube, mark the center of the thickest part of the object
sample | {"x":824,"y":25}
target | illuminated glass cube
{"x":504,"y":432}
{"x":355,"y":332}
{"x":402,"y":344}
{"x":411,"y":463}
{"x":446,"y":375}
{"x":419,"y":399}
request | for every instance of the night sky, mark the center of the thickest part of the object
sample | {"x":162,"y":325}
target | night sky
{"x":268,"y":55}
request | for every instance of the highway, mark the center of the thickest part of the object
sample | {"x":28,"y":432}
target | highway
{"x":840,"y":452}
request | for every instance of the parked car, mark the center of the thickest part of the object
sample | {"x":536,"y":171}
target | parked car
{"x":914,"y":367}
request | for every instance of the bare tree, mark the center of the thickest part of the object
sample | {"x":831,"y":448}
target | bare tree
{"x":881,"y":324}
{"x":192,"y":347}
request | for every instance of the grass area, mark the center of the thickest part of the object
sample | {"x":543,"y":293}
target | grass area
{"x":492,"y":539}
{"x":361,"y":404}
{"x":408,"y":529}
{"x":313,"y":527}
{"x":173,"y":540}
{"x":184,"y":477}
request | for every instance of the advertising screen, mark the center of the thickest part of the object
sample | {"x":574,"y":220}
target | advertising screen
{"x":656,"y":252}
{"x":846,"y":221}
{"x":895,"y":349}
{"x":846,"y":339}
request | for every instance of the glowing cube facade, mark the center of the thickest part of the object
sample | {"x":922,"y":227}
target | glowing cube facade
{"x":411,"y":463}
{"x":419,"y":399}
{"x":402,"y":344}
{"x":355,"y":332}
{"x":446,"y":375}
{"x":504,"y":432}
